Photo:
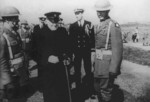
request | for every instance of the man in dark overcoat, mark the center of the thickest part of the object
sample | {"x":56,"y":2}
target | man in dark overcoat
{"x":53,"y":51}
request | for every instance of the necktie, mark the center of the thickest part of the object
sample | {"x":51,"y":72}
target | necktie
{"x":80,"y":24}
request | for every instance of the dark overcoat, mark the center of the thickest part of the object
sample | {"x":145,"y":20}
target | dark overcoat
{"x":54,"y":43}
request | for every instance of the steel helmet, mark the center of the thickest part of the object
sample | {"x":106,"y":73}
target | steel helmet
{"x":9,"y":11}
{"x":102,"y":5}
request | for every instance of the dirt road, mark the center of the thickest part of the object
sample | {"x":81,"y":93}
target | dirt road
{"x":135,"y":82}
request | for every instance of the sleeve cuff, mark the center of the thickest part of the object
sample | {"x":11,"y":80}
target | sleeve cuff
{"x":93,"y":50}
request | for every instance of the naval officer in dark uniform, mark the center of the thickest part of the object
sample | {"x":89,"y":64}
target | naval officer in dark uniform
{"x":82,"y":43}
{"x":53,"y":52}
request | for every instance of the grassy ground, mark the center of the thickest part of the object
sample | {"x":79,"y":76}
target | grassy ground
{"x":136,"y":55}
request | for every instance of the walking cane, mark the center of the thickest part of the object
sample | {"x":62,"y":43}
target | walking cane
{"x":70,"y":98}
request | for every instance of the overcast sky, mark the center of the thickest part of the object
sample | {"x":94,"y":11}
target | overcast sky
{"x":123,"y":10}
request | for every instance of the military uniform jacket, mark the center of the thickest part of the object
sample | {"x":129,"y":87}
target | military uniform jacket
{"x":109,"y":63}
{"x":81,"y":37}
{"x":15,"y":43}
{"x":24,"y":34}
{"x":25,"y":37}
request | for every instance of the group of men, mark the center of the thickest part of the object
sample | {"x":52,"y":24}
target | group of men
{"x":98,"y":47}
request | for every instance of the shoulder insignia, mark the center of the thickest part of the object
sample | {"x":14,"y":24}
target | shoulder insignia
{"x":117,"y":25}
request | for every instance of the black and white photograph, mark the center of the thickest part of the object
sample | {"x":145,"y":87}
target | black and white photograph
{"x":74,"y":51}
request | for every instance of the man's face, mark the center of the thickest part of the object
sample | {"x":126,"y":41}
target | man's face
{"x":101,"y":15}
{"x":79,"y":16}
{"x":25,"y":26}
{"x":51,"y":22}
{"x":13,"y":22}
{"x":42,"y":21}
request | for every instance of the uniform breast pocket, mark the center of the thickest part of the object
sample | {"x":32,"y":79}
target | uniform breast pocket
{"x":103,"y":32}
{"x":107,"y":57}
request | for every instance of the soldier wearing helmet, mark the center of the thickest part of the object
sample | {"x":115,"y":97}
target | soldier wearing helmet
{"x":25,"y":34}
{"x":13,"y":75}
{"x":108,"y":54}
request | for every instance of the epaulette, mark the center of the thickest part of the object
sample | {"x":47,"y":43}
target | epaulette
{"x":116,"y":23}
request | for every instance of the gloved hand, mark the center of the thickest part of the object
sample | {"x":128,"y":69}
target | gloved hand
{"x":112,"y":75}
{"x":67,"y":61}
{"x":53,"y":59}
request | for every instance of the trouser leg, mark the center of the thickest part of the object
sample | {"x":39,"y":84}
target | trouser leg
{"x":77,"y":67}
{"x":88,"y":78}
{"x":87,"y":64}
{"x":40,"y":71}
{"x":104,"y":88}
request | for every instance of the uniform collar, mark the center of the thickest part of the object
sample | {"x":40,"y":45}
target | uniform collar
{"x":105,"y":22}
{"x":9,"y":32}
{"x":81,"y":21}
{"x":24,"y":30}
